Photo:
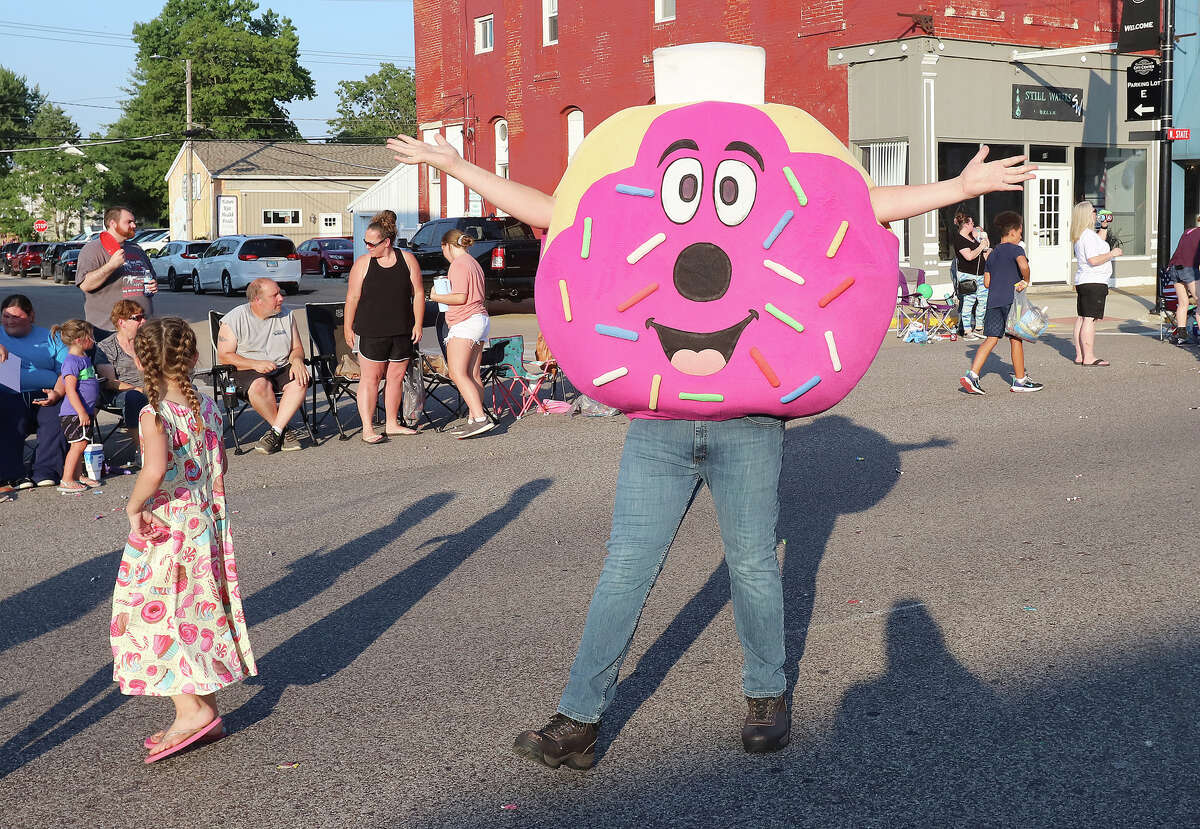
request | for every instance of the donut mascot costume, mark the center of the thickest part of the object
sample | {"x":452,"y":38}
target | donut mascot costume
{"x":713,"y":266}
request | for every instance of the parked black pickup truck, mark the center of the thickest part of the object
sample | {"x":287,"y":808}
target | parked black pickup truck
{"x":506,"y":248}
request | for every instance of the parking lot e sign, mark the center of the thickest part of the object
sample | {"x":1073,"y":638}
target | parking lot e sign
{"x":41,"y":225}
{"x":1143,"y":90}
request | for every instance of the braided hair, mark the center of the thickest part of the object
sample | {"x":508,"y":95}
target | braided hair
{"x":166,"y":349}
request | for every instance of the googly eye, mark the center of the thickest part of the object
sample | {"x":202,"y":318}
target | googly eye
{"x":734,"y":191}
{"x":682,"y":185}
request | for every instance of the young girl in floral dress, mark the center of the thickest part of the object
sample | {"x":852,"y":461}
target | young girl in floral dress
{"x":177,"y":626}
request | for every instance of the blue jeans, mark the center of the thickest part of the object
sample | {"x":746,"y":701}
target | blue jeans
{"x":974,"y":306}
{"x":663,"y":466}
{"x":131,"y":402}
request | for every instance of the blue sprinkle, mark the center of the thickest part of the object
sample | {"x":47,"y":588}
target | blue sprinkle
{"x":779,"y":226}
{"x":807,"y":387}
{"x":619,"y":333}
{"x":630,"y":190}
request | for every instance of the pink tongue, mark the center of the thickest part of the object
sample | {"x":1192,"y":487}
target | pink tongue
{"x":708,"y":361}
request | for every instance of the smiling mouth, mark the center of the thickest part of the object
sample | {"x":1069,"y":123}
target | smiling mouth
{"x":696,"y":353}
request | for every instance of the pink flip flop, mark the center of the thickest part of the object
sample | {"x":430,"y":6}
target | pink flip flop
{"x":210,"y":737}
{"x":196,"y":737}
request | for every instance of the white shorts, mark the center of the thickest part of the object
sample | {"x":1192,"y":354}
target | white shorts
{"x":474,"y":328}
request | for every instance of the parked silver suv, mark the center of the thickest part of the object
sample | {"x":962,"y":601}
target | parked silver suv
{"x":233,"y":262}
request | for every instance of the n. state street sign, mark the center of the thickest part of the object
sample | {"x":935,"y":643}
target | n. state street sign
{"x":41,"y":225}
{"x":1140,"y":27}
{"x":1143,"y":90}
{"x":1179,"y":134}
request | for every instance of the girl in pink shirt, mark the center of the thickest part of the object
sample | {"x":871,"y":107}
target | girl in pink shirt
{"x":469,"y":326}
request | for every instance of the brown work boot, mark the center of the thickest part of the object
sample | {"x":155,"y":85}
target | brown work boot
{"x":768,"y":725}
{"x":562,"y":740}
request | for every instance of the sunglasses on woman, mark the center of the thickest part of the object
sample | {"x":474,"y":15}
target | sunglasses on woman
{"x":137,"y":318}
{"x":371,"y":244}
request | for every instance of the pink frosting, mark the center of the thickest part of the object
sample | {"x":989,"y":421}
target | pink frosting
{"x":711,"y":275}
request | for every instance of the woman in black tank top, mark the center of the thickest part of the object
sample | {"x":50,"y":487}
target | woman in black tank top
{"x":385,"y":307}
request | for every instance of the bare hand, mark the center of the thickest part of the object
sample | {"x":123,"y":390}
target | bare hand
{"x":411,"y":150}
{"x":117,"y":259}
{"x":3,"y":354}
{"x":300,"y":372}
{"x":1005,"y":174}
{"x":416,"y":334}
{"x":144,"y":525}
{"x":85,"y":419}
{"x":151,"y":288}
{"x":1020,"y":286}
{"x":264,"y":366}
{"x":1117,"y":252}
{"x":50,"y":399}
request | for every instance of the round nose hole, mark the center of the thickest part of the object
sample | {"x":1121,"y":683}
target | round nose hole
{"x":702,"y":272}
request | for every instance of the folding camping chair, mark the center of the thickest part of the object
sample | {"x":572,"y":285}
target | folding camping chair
{"x":435,"y":372}
{"x":496,"y":369}
{"x":234,"y":403}
{"x":940,"y":318}
{"x":910,"y":307}
{"x":1166,"y":320}
{"x":329,"y":352}
{"x":523,"y":380}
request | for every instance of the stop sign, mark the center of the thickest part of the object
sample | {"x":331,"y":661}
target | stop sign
{"x":40,"y":225}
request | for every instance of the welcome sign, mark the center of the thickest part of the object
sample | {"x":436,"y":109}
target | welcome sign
{"x":1140,"y":26}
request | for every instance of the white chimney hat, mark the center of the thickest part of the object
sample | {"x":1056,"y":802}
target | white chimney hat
{"x":710,"y":72}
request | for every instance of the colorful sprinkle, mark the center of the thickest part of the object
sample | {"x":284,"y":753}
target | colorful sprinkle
{"x":619,"y":333}
{"x":630,"y":190}
{"x":702,"y":398}
{"x":586,"y":250}
{"x":837,"y":240}
{"x":786,"y":319}
{"x":609,"y":376}
{"x":654,"y":385}
{"x":566,"y":299}
{"x":833,"y":354}
{"x":779,"y":226}
{"x":804,"y":389}
{"x":764,"y":367}
{"x":638,"y":297}
{"x":645,"y":247}
{"x":796,"y":188}
{"x":836,"y":292}
{"x":786,"y":273}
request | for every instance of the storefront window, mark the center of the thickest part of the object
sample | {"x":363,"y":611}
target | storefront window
{"x":1115,"y":179}
{"x":953,"y":157}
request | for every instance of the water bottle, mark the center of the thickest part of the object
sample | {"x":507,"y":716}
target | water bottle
{"x":230,"y":394}
{"x":93,"y":460}
{"x":147,"y":281}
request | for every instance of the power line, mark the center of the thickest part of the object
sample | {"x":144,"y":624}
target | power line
{"x":88,"y":143}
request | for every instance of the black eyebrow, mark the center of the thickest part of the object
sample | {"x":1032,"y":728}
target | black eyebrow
{"x":681,"y":144}
{"x":742,"y":146}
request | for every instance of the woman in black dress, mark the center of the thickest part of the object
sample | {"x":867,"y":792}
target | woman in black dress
{"x":385,"y":307}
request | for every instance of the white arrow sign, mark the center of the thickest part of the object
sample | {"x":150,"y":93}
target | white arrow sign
{"x":1142,"y":110}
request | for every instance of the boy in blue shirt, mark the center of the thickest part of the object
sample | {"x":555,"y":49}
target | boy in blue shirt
{"x":1007,"y":271}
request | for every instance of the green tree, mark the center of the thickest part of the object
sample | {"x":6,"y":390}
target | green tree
{"x":245,"y":70}
{"x":19,"y":103}
{"x":382,"y":104}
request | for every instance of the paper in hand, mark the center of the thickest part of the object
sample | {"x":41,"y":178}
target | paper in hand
{"x":10,"y":373}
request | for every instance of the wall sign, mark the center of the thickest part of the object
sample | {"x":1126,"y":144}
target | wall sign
{"x":1046,"y":103}
{"x":1143,"y":90}
{"x":227,"y":215}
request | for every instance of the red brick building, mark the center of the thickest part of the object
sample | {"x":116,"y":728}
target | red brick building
{"x":517,"y":83}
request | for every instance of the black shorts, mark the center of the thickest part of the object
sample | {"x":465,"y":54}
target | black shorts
{"x":1089,"y":299}
{"x":72,"y":429}
{"x":995,"y":320}
{"x":278,"y":378}
{"x":394,"y":349}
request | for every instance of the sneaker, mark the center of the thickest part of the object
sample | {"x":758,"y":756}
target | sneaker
{"x":269,"y":443}
{"x":476,"y":427}
{"x":970,"y":382}
{"x":1178,"y":337}
{"x":768,"y":725}
{"x":46,"y":482}
{"x":1025,"y":384}
{"x":23,"y":483}
{"x":562,"y":740}
{"x":291,"y":441}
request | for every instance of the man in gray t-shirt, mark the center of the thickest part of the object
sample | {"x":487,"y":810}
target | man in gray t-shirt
{"x":263,"y":345}
{"x":111,"y":268}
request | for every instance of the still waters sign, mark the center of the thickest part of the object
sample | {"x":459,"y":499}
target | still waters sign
{"x":1046,"y":103}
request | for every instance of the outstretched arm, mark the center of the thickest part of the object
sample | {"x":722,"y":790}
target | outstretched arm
{"x":979,"y":177}
{"x":518,"y":200}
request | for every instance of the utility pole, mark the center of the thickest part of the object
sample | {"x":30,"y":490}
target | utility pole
{"x":187,"y":64}
{"x":1164,"y":154}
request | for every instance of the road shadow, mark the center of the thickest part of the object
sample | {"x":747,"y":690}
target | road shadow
{"x":332,"y":643}
{"x":88,"y":703}
{"x":1109,"y":742}
{"x":57,"y":601}
{"x":831,"y":467}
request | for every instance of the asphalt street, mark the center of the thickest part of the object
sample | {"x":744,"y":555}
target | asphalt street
{"x":992,"y":620}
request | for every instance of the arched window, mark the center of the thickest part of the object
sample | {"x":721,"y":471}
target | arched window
{"x":574,"y":132}
{"x":501,"y":132}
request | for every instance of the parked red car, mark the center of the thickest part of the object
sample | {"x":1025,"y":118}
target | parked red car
{"x":28,"y":258}
{"x":328,"y":255}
